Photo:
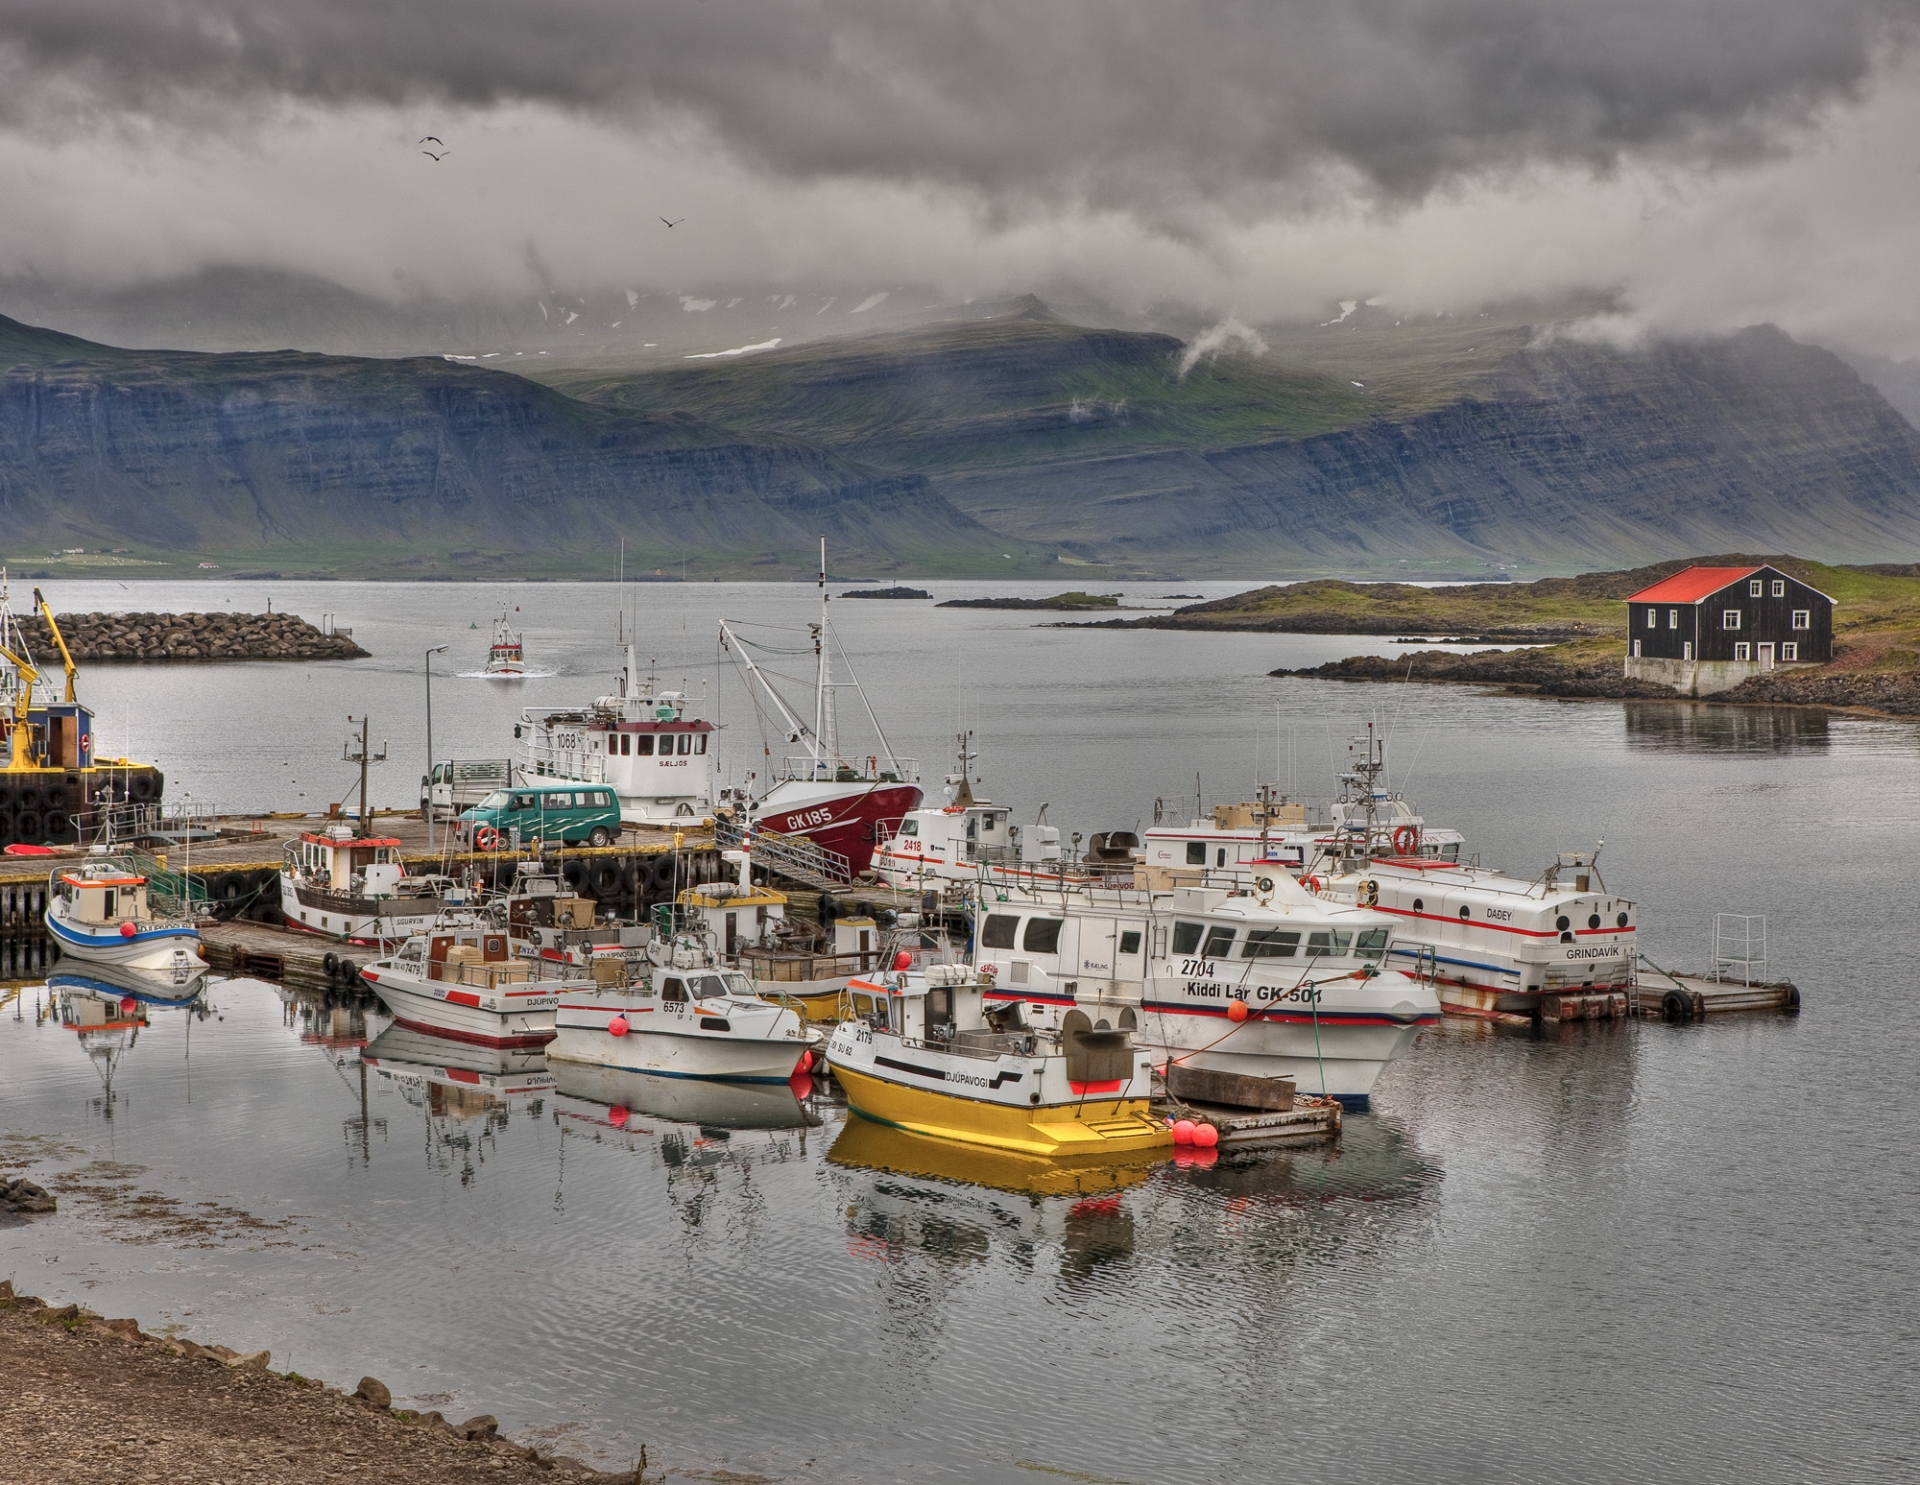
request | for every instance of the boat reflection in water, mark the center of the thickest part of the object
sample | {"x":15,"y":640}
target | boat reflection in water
{"x":107,"y":1006}
{"x":464,"y":1090}
{"x":696,"y":1101}
{"x":881,"y":1147}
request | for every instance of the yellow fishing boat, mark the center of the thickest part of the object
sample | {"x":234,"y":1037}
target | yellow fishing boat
{"x":924,"y":1053}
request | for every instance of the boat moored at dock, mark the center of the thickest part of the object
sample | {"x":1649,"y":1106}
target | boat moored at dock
{"x":99,"y":911}
{"x":931,"y":1054}
{"x":461,"y":982}
{"x":355,"y":887}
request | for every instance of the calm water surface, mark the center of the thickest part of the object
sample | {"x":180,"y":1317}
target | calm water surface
{"x":1632,"y":1252}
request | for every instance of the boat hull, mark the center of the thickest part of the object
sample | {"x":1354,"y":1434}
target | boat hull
{"x":162,"y":950}
{"x":844,"y":818}
{"x":356,"y":920}
{"x":1095,"y":1129}
{"x":668,"y":1045}
{"x":512,"y":1017}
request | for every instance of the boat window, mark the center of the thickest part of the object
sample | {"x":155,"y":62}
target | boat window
{"x":706,"y":985}
{"x":909,"y":827}
{"x":1370,"y":943}
{"x":1042,"y":936}
{"x":1186,"y":937}
{"x":699,"y":742}
{"x":624,"y":742}
{"x":998,"y":932}
{"x":1130,"y":941}
{"x":1451,"y":851}
{"x":1271,"y":943}
{"x":686,"y":743}
{"x":1219,"y":942}
{"x":643,"y":746}
{"x":862,"y":1005}
{"x":1327,"y":942}
{"x":1196,"y":853}
{"x":673,"y":990}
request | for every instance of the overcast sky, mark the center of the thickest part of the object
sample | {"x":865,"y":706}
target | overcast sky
{"x":1717,"y":162}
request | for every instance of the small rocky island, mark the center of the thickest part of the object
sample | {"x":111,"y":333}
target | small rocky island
{"x":886,"y":593}
{"x":1074,"y":602}
{"x":209,"y":636}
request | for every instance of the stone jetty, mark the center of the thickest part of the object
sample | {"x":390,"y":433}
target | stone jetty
{"x":221,"y":635}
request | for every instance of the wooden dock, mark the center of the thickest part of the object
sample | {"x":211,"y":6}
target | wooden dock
{"x":1681,"y":998}
{"x":262,"y":952}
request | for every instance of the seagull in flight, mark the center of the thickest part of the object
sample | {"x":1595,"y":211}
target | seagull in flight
{"x":672,"y":224}
{"x":436,"y":158}
{"x":435,"y":139}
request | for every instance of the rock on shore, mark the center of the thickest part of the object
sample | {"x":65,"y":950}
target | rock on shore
{"x":1538,"y":671}
{"x":209,"y":636}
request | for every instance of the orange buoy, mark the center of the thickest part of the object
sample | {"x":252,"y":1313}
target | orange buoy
{"x":127,"y":1003}
{"x":903,"y":961}
{"x":1205,"y":1136}
{"x":617,"y":1117}
{"x":806,"y":1061}
{"x":1183,"y":1132}
{"x":1237,"y":1010}
{"x":617,"y":1026}
{"x":127,"y":930}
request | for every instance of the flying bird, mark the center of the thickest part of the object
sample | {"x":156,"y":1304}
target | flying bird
{"x":673,"y":224}
{"x":436,"y":158}
{"x":435,"y":139}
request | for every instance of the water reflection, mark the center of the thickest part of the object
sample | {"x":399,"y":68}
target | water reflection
{"x":107,"y":1006}
{"x":879,"y":1147}
{"x":327,"y":1020}
{"x":465,"y":1092}
{"x":683,"y":1100}
{"x":1700,"y":727}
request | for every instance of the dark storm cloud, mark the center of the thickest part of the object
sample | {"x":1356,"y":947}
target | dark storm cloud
{"x":1108,"y":100}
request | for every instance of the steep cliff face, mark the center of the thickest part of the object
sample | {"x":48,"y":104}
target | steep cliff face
{"x":1548,"y":455}
{"x":285,"y":454}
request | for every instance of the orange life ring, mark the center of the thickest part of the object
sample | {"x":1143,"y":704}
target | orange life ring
{"x":1406,"y":839}
{"x":1312,"y":884}
{"x":486,"y":838}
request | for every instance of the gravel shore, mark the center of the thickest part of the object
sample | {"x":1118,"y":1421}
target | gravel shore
{"x":93,"y":1400}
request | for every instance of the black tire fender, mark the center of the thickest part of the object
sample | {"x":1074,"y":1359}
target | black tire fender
{"x":1676,"y":1006}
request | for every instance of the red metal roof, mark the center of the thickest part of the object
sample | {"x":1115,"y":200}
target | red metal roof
{"x":1691,"y":585}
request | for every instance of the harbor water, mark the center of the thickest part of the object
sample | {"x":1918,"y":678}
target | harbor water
{"x":1599,"y":1253}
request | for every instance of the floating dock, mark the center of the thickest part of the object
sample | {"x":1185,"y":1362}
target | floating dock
{"x":1247,"y":1112}
{"x":1683,"y":997}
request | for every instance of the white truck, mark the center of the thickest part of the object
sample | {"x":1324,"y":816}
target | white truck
{"x":460,"y":784}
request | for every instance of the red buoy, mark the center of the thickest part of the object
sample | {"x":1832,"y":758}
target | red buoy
{"x":806,"y":1062}
{"x":617,"y":1117}
{"x":903,"y":961}
{"x":1237,"y":1010}
{"x":617,"y":1026}
{"x":127,"y":1003}
{"x":1205,"y":1136}
{"x":1183,"y":1132}
{"x":127,"y":930}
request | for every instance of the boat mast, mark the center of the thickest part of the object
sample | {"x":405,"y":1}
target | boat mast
{"x":825,"y":724}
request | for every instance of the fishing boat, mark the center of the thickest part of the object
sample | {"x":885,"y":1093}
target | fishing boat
{"x":845,"y":802}
{"x":355,"y":887}
{"x":929,"y":1053}
{"x":99,"y":911}
{"x":1265,"y":980}
{"x":686,"y":1016}
{"x":506,"y":657}
{"x":53,"y":783}
{"x":459,"y":981}
{"x":640,"y":740}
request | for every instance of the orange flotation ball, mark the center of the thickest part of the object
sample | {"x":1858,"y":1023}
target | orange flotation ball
{"x":1205,"y":1136}
{"x":127,"y":930}
{"x":1237,"y":1010}
{"x":903,"y":961}
{"x":617,"y":1026}
{"x":1183,"y":1132}
{"x":127,"y":1003}
{"x":617,"y":1117}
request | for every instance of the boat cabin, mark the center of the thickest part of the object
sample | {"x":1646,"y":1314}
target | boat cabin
{"x":104,"y":895}
{"x":740,"y":918}
{"x":1239,"y":837}
{"x":352,"y":865}
{"x":655,"y":757}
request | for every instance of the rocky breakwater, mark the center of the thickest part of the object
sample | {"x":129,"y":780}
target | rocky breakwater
{"x":226,"y":635}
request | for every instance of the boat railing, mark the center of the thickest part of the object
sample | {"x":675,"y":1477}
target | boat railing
{"x":794,"y":856}
{"x":870,"y":769}
{"x":565,"y":763}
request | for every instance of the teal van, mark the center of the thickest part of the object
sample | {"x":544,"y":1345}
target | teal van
{"x":569,"y":813}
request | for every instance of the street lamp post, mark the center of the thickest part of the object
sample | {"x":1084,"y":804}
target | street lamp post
{"x":427,"y":663}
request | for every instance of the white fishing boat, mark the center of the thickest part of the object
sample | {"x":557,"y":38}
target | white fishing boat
{"x":845,"y":802}
{"x":640,"y":741}
{"x":935,"y":1053}
{"x":506,"y":656}
{"x":355,"y":887}
{"x":461,"y":982}
{"x":1266,"y":980}
{"x":99,"y":911}
{"x":686,"y":1016}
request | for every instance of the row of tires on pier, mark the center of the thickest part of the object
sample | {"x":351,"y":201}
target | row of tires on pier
{"x":47,"y":807}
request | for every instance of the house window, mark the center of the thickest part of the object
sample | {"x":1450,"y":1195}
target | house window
{"x":1754,"y":588}
{"x":1673,"y":618}
{"x":1730,"y":618}
{"x":1803,"y":618}
{"x":1789,"y":651}
{"x":1653,"y":618}
{"x":1743,"y":651}
{"x":1636,"y":649}
{"x":1686,"y":650}
{"x":1779,"y":588}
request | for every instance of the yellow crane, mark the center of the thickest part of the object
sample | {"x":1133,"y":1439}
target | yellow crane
{"x":20,"y":755}
{"x":59,"y":642}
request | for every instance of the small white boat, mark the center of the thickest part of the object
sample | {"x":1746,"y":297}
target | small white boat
{"x":461,"y":982}
{"x":99,"y":911}
{"x":506,"y":656}
{"x":686,"y":1017}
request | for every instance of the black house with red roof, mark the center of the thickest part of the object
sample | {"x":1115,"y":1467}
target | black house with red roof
{"x":1708,"y":628}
